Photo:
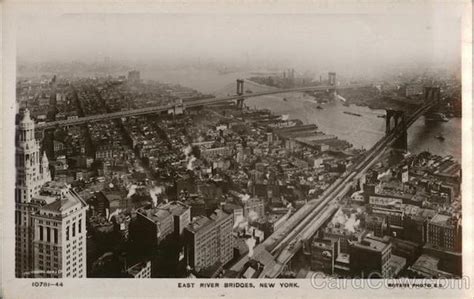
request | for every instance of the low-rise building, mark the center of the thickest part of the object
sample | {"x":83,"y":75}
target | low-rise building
{"x":426,"y":266}
{"x":323,"y":255}
{"x":370,"y":257}
{"x":445,"y":232}
{"x":376,"y":223}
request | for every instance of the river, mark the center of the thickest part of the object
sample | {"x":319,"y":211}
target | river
{"x":365,"y":130}
{"x":361,"y":131}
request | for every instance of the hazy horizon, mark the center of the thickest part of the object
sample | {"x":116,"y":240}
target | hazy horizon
{"x":350,"y":42}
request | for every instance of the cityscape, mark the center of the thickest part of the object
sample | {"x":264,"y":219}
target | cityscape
{"x":279,"y":170}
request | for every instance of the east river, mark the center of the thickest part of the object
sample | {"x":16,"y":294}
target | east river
{"x":361,"y":131}
{"x":364,"y":130}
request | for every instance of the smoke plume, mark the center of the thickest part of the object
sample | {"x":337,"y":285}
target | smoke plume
{"x":348,"y":223}
{"x":250,"y":244}
{"x":154,"y":192}
{"x":131,"y":190}
{"x":190,"y":158}
{"x":244,"y":198}
{"x":253,"y":216}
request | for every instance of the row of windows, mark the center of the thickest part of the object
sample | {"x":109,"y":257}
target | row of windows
{"x":47,"y":257}
{"x":48,"y":246}
{"x":48,"y":234}
{"x":48,"y":222}
{"x":48,"y":252}
{"x":74,"y":270}
{"x":43,"y":265}
{"x":79,"y":229}
{"x":68,"y":256}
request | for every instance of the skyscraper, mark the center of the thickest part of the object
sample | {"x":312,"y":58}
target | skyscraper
{"x":32,"y":173}
{"x":59,"y":223}
{"x":50,"y":229}
{"x":209,"y":241}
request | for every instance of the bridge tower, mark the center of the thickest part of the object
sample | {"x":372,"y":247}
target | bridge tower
{"x":240,"y":92}
{"x":240,"y":87}
{"x":332,"y":78}
{"x":432,"y":95}
{"x":332,"y":82}
{"x":395,"y":120}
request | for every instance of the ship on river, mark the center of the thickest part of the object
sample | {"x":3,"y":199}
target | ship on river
{"x":435,"y":117}
{"x":352,"y":113}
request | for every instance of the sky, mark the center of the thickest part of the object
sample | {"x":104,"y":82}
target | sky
{"x":429,"y":35}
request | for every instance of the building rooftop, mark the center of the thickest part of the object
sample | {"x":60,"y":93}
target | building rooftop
{"x":230,"y":207}
{"x":44,"y":199}
{"x":440,"y":219}
{"x":54,"y":185}
{"x":374,"y":218}
{"x":59,"y":197}
{"x":396,"y":264}
{"x":323,"y":243}
{"x":427,"y":266}
{"x":163,"y":211}
{"x":156,"y":215}
{"x":135,"y":269}
{"x":261,"y":256}
{"x":446,"y":221}
{"x":343,"y":258}
{"x":202,"y":222}
{"x":174,"y":207}
{"x":372,"y":243}
{"x":384,"y":201}
{"x":272,"y":218}
{"x":416,"y":211}
{"x":199,"y":223}
{"x":61,"y":205}
{"x":249,"y":272}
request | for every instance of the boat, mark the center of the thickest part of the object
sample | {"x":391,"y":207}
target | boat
{"x":352,"y":113}
{"x":319,"y":107}
{"x":284,"y":99}
{"x":440,"y":137}
{"x":436,"y":117}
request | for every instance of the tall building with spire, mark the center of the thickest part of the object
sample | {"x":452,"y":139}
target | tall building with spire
{"x":32,"y":171}
{"x":49,"y":217}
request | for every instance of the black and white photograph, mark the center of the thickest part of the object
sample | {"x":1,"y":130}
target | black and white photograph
{"x":217,"y":148}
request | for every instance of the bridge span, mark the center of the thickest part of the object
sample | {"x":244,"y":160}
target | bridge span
{"x":240,"y":97}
